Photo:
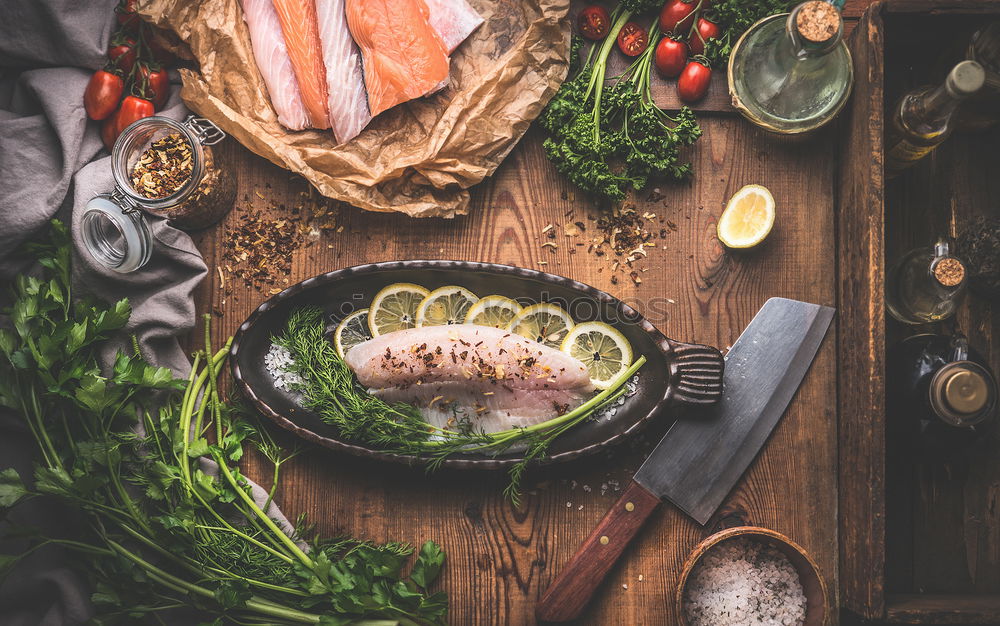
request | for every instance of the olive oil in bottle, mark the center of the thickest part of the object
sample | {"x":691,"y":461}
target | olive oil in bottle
{"x":922,"y":119}
{"x":925,"y":285}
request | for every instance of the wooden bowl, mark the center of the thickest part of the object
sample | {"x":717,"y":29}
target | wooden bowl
{"x":812,"y":583}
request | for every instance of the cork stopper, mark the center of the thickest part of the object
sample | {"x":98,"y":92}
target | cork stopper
{"x":817,"y":21}
{"x":949,"y":272}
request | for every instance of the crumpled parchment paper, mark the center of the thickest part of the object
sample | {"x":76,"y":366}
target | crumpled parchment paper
{"x":419,"y":158}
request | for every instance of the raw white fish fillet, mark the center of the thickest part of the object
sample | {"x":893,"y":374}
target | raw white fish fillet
{"x":348,"y":101}
{"x":453,"y":406}
{"x":488,"y":376}
{"x":454,"y":21}
{"x":274,"y":63}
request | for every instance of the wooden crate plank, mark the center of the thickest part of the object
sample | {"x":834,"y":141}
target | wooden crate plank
{"x":943,"y":609}
{"x":861,"y":319}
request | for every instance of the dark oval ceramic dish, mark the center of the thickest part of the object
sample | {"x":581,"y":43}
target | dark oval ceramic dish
{"x":675,"y":374}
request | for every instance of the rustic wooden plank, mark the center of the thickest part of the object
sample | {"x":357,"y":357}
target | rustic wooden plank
{"x":861,"y":330}
{"x":501,"y":558}
{"x":943,"y":609}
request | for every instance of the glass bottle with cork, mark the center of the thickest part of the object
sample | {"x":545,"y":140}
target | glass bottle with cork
{"x":792,"y":72}
{"x":925,"y":285}
{"x":923,"y":118}
{"x":942,"y":394}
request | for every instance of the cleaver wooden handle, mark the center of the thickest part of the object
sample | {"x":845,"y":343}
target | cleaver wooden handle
{"x":569,"y":594}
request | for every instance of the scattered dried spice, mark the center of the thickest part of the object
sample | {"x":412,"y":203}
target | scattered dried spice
{"x":259,"y":249}
{"x":623,"y":236}
{"x":979,"y":245}
{"x":163,"y":168}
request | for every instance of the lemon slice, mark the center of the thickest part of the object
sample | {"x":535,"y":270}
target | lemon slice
{"x":605,"y":351}
{"x":395,"y":308}
{"x":748,"y":217}
{"x":495,"y":311}
{"x":544,"y":323}
{"x":445,"y":306}
{"x":351,"y":331}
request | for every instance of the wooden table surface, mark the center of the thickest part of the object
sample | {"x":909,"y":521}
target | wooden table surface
{"x":500,"y":558}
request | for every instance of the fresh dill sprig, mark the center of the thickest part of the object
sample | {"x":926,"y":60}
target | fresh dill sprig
{"x":331,"y":390}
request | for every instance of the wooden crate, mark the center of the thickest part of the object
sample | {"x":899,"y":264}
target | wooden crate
{"x":917,"y":546}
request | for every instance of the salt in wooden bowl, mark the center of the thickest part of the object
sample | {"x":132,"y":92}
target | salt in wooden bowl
{"x":812,"y":583}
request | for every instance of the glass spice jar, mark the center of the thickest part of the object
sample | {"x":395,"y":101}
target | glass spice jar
{"x":165,"y":168}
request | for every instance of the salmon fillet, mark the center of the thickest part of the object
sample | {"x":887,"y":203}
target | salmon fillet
{"x":274,"y":63}
{"x":454,"y":21}
{"x":348,"y":102}
{"x":301,"y":30}
{"x":404,"y":57}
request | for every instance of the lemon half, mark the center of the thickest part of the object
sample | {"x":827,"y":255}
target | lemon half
{"x":748,"y":217}
{"x":544,"y":323}
{"x":495,"y":311}
{"x":445,"y":305}
{"x":395,"y":308}
{"x":605,"y":351}
{"x":351,"y":331}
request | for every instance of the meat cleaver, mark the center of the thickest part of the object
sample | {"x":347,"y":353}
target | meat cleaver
{"x":699,"y":460}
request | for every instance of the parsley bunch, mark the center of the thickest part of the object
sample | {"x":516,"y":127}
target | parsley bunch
{"x":608,"y":136}
{"x":157,"y":531}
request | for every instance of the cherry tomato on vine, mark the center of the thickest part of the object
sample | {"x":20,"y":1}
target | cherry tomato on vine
{"x":677,"y":16}
{"x":693,"y":83}
{"x":156,"y":83}
{"x":109,"y":131}
{"x":594,"y":22}
{"x":125,"y":12}
{"x":122,"y":54}
{"x":133,"y":108}
{"x":703,"y":32}
{"x":102,"y":95}
{"x":670,"y":57}
{"x":632,"y":39}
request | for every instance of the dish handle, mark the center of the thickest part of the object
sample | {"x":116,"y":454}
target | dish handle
{"x":695,"y":373}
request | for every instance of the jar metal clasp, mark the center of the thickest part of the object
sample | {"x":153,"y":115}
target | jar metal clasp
{"x":208,"y":133}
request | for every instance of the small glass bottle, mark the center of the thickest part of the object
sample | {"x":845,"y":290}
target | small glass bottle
{"x":792,"y":72}
{"x":922,"y":119}
{"x":113,"y":229}
{"x":982,"y":110}
{"x":942,"y":395}
{"x":925,"y":285}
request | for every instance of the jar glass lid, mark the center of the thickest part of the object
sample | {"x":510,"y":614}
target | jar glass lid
{"x":117,"y":238}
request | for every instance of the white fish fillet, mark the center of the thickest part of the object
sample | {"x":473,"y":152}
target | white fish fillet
{"x":455,"y":405}
{"x":274,"y":63}
{"x":348,"y":100}
{"x":454,"y":21}
{"x":488,"y":376}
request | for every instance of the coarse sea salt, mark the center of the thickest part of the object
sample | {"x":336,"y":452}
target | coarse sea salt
{"x":741,"y":581}
{"x":278,"y":362}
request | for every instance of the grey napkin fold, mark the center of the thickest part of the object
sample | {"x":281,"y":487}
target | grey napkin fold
{"x":52,"y":162}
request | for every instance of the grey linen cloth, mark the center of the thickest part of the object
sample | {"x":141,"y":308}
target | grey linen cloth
{"x":52,"y":162}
